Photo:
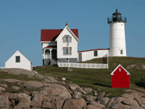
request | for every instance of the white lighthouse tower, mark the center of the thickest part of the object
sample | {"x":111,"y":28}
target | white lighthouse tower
{"x":117,"y":34}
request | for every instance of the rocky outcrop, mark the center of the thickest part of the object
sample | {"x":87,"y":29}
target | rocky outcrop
{"x":45,"y":95}
{"x":136,"y":66}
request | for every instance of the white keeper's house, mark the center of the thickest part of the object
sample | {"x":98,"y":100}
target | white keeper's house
{"x":61,"y":45}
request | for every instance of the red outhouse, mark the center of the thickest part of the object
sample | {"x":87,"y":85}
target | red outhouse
{"x":120,"y":77}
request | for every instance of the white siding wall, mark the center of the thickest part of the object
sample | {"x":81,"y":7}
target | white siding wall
{"x":117,"y":39}
{"x":89,"y":55}
{"x":24,"y":62}
{"x":73,"y":44}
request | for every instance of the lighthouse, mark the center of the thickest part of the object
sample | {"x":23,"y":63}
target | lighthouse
{"x":117,"y":34}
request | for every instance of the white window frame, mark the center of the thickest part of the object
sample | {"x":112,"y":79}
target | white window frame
{"x":67,"y":51}
{"x":67,"y":39}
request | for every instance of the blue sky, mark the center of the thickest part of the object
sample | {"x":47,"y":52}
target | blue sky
{"x":22,"y":20}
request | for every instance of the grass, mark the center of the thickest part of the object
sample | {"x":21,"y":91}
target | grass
{"x":99,"y":78}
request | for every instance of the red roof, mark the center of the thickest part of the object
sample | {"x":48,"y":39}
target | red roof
{"x":93,"y":50}
{"x":52,"y":34}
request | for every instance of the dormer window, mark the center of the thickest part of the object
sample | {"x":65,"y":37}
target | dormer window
{"x":66,"y":39}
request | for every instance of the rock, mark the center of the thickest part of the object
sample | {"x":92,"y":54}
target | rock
{"x":75,"y":104}
{"x":46,"y":105}
{"x":81,"y":90}
{"x":120,"y":106}
{"x":127,"y":96}
{"x":110,"y":102}
{"x":51,"y":79}
{"x":10,"y":80}
{"x":136,"y":66}
{"x":77,"y":95}
{"x":101,"y":94}
{"x":23,"y":101}
{"x":127,"y":101}
{"x":130,"y":66}
{"x":92,"y":107}
{"x":118,"y":100}
{"x":32,"y":85}
{"x":56,"y":91}
{"x":18,"y":71}
{"x":3,"y":85}
{"x":45,"y":99}
{"x":4,"y":102}
{"x":36,"y":100}
{"x":87,"y":89}
{"x":95,"y":93}
{"x":97,"y":104}
{"x":15,"y":87}
{"x":104,"y":100}
{"x":136,"y":108}
{"x":38,"y":76}
{"x":57,"y":104}
{"x":73,"y":87}
{"x":89,"y":98}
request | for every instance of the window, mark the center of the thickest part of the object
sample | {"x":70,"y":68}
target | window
{"x":66,"y":39}
{"x":67,"y":51}
{"x":17,"y":59}
{"x":95,"y":53}
{"x":121,"y":51}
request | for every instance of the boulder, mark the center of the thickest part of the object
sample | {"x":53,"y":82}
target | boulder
{"x":18,"y":71}
{"x":95,"y":93}
{"x":120,"y":106}
{"x":97,"y":104}
{"x":23,"y":101}
{"x":10,"y":80}
{"x":101,"y":94}
{"x":75,"y":104}
{"x":87,"y":89}
{"x":32,"y":85}
{"x":118,"y":100}
{"x":4,"y":101}
{"x":51,"y":79}
{"x":89,"y":98}
{"x":46,"y":105}
{"x":92,"y":107}
{"x":104,"y":100}
{"x":36,"y":100}
{"x":38,"y":76}
{"x":110,"y":102}
{"x":73,"y":87}
{"x":77,"y":95}
{"x":56,"y":92}
{"x":136,"y":66}
{"x":3,"y":85}
{"x":15,"y":87}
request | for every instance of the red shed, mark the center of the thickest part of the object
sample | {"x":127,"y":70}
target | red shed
{"x":120,"y":77}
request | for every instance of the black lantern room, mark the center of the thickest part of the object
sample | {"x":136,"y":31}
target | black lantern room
{"x":117,"y":17}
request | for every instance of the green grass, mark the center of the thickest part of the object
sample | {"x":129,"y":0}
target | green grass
{"x":98,"y":78}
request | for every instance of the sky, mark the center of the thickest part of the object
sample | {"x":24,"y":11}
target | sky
{"x":21,"y":22}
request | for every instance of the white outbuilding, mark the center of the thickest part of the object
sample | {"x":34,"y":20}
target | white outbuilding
{"x":18,"y":60}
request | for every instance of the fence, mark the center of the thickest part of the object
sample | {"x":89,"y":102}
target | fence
{"x":83,"y":65}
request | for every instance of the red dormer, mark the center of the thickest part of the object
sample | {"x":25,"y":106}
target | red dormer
{"x":120,"y":77}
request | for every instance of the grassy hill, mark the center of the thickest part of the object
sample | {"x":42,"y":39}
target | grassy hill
{"x":99,"y":78}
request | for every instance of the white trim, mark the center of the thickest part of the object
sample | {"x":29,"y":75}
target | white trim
{"x":117,"y":68}
{"x":72,"y":33}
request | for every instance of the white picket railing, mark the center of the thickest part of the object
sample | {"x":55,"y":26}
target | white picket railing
{"x":83,"y":65}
